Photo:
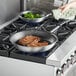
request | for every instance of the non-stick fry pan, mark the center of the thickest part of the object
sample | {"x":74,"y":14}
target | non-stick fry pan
{"x":35,"y":20}
{"x":51,"y":38}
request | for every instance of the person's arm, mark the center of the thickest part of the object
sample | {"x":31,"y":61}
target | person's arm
{"x":69,"y":1}
{"x":69,"y":5}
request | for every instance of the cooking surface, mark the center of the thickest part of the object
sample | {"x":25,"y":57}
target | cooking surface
{"x":7,"y":49}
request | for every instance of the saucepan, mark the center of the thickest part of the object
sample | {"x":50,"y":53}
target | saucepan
{"x":47,"y":36}
{"x":43,"y":16}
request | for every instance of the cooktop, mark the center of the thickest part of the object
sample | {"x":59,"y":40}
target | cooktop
{"x":7,"y":49}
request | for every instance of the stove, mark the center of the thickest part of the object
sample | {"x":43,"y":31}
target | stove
{"x":8,"y":50}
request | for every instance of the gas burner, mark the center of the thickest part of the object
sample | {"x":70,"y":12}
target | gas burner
{"x":63,"y":33}
{"x":5,"y":48}
{"x":72,"y":25}
{"x":50,"y":24}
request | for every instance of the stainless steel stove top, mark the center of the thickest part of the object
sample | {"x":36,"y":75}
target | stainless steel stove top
{"x":7,"y":49}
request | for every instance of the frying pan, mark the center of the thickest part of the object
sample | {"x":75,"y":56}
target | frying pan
{"x":45,"y":35}
{"x":51,"y":38}
{"x":35,"y":20}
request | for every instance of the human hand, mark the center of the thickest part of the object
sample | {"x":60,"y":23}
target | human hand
{"x":68,"y":6}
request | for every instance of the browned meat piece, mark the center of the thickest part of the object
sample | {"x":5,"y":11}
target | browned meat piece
{"x":32,"y":41}
{"x":28,"y":39}
{"x":42,"y":43}
{"x":35,"y":43}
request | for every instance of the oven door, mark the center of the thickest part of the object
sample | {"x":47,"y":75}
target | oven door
{"x":15,"y":67}
{"x":71,"y":71}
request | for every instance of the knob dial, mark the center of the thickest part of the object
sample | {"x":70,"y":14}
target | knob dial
{"x":75,"y":56}
{"x":59,"y":72}
{"x":72,"y":59}
{"x":68,"y":62}
{"x":64,"y":67}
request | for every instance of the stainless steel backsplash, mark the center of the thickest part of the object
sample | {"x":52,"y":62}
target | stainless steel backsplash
{"x":8,"y":10}
{"x":45,"y":5}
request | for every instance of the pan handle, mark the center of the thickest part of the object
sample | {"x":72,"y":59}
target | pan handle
{"x":48,"y":15}
{"x":56,"y":28}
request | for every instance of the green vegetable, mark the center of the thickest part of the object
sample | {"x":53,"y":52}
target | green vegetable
{"x":31,"y":15}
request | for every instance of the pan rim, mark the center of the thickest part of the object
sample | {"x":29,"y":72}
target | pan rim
{"x":30,"y":19}
{"x":51,"y":34}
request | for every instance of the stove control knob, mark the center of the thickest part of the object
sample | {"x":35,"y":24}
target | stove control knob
{"x":68,"y":62}
{"x":59,"y":72}
{"x":64,"y":67}
{"x":75,"y":52}
{"x":72,"y":59}
{"x":75,"y":56}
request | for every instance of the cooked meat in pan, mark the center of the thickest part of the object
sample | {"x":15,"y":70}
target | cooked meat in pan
{"x":37,"y":44}
{"x":32,"y":41}
{"x":28,"y":39}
